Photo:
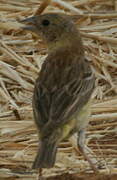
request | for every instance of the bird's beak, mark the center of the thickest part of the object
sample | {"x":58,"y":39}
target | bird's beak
{"x":30,"y":24}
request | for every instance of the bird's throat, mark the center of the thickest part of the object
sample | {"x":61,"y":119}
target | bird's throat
{"x":71,"y":43}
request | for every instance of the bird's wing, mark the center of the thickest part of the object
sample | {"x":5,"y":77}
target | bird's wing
{"x":71,"y":97}
{"x":54,"y":107}
{"x":41,"y":104}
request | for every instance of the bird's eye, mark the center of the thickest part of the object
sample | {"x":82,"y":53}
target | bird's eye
{"x":45,"y":22}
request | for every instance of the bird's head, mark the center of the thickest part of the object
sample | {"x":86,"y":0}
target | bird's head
{"x":52,"y":27}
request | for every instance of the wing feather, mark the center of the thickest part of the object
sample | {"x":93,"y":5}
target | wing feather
{"x":55,"y":99}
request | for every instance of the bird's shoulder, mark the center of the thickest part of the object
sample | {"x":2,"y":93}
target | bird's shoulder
{"x":60,"y":68}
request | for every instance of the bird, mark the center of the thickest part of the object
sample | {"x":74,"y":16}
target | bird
{"x":62,"y":91}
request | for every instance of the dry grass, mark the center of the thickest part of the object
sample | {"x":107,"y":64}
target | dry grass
{"x":21,"y":56}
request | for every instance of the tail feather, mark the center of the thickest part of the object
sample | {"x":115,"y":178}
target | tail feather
{"x":46,"y":155}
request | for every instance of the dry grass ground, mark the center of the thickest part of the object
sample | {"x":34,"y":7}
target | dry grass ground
{"x":21,"y":56}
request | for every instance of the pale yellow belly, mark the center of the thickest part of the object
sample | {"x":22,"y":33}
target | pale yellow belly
{"x":78,"y":121}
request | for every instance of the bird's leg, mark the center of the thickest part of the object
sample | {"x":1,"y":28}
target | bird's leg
{"x":40,"y":174}
{"x":87,"y":152}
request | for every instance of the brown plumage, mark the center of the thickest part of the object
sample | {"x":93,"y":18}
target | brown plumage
{"x":63,"y":89}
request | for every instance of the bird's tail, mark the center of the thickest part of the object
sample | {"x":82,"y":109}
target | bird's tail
{"x":46,"y":155}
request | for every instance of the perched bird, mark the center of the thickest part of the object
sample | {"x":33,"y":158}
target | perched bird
{"x":61,"y":99}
